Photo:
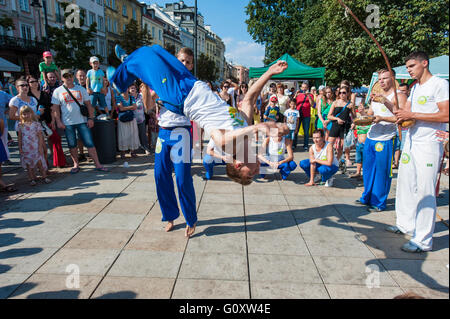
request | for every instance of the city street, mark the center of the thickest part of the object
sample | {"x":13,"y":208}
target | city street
{"x":272,"y":239}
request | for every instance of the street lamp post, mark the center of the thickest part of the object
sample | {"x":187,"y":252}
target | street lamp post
{"x":195,"y":39}
{"x":36,"y":4}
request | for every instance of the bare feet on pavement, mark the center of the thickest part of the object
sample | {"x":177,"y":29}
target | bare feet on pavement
{"x":189,"y":231}
{"x":169,"y":226}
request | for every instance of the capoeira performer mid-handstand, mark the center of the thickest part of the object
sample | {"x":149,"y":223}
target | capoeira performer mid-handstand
{"x":415,"y":203}
{"x":181,"y":93}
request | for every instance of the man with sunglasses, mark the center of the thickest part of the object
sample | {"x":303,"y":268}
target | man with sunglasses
{"x":68,"y":117}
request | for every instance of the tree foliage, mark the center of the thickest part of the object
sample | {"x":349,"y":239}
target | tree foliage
{"x":134,"y":37}
{"x":72,"y":46}
{"x":326,"y":36}
{"x":206,"y":69}
{"x":7,"y":23}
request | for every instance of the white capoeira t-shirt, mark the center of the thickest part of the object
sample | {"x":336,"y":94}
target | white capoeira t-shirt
{"x":382,"y":131}
{"x":424,"y":99}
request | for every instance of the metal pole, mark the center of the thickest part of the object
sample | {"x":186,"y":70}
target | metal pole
{"x":46,"y":25}
{"x":195,"y":39}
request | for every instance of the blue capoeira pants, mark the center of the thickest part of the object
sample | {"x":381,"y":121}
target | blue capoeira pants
{"x":209,"y":162}
{"x":173,"y":152}
{"x":161,"y":71}
{"x":326,"y":172}
{"x":285,"y":169}
{"x":377,"y":172}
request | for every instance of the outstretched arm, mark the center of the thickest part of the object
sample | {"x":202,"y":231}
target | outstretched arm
{"x":255,"y":90}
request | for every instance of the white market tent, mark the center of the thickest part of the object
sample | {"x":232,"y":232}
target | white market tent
{"x":438,"y":67}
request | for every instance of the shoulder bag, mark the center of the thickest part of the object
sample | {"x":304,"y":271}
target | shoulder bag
{"x":83,"y":108}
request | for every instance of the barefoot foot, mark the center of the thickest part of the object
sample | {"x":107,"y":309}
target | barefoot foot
{"x":189,"y":231}
{"x":169,"y":226}
{"x":310,"y":184}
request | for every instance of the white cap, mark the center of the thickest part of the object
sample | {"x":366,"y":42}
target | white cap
{"x":287,"y":92}
{"x":93,"y":59}
{"x":321,"y":87}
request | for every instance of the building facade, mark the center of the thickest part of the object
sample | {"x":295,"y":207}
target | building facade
{"x":154,"y":25}
{"x":22,"y":43}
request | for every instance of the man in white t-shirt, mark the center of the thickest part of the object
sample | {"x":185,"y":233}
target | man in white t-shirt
{"x":68,"y":117}
{"x":422,"y":153}
{"x":379,"y":145}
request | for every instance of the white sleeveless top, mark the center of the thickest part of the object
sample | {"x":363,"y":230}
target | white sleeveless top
{"x":322,"y":154}
{"x":276,"y":149}
{"x":382,"y":131}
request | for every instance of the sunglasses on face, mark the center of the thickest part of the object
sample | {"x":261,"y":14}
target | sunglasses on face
{"x":32,"y":81}
{"x":342,"y":92}
{"x":23,"y":85}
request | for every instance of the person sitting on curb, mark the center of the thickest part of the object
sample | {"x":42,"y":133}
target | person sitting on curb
{"x":321,"y":160}
{"x":273,"y":149}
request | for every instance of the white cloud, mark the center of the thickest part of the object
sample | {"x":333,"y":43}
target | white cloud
{"x":249,"y":54}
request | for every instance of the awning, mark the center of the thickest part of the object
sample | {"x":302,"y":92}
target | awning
{"x":7,"y":66}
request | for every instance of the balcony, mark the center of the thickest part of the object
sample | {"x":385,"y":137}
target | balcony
{"x":20,"y":44}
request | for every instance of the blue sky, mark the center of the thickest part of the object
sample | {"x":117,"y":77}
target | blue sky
{"x":227,"y":19}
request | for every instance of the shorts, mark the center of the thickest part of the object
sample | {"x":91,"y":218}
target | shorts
{"x":291,"y":135}
{"x":83,"y":132}
{"x":359,"y":153}
{"x":100,"y":98}
{"x":337,"y":130}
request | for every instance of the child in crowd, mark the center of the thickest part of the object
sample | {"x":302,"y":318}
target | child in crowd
{"x":292,"y":116}
{"x":47,"y":66}
{"x":272,"y":155}
{"x":361,"y":132}
{"x":272,"y":112}
{"x":95,"y":88}
{"x":31,"y":145}
{"x":3,"y":158}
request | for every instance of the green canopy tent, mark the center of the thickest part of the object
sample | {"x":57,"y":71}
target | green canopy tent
{"x":438,"y":67}
{"x":296,"y":71}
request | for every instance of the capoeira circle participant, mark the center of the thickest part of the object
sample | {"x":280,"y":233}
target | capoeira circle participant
{"x":379,"y":146}
{"x":273,"y":149}
{"x":415,"y":204}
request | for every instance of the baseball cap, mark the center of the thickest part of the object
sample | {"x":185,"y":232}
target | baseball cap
{"x":322,"y":87}
{"x":46,"y":54}
{"x":93,"y":59}
{"x":273,"y":99}
{"x":66,"y":71}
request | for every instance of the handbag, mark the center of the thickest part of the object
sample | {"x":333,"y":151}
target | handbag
{"x":126,"y":116}
{"x":331,"y":123}
{"x":83,"y":108}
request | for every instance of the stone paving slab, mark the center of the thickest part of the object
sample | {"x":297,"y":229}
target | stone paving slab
{"x":272,"y":239}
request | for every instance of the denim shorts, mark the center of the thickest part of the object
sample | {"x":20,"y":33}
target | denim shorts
{"x":359,"y":153}
{"x":100,"y":98}
{"x":83,"y":132}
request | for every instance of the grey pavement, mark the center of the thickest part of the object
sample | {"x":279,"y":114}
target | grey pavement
{"x":100,"y":235}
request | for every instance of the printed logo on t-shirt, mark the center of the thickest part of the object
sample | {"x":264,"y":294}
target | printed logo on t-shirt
{"x":422,"y":100}
{"x":384,"y":108}
{"x":379,"y":147}
{"x":429,"y":165}
{"x":405,"y":158}
{"x":164,"y":80}
{"x":235,"y":115}
{"x":68,"y":99}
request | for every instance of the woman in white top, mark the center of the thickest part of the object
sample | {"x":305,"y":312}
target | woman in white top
{"x":321,"y":160}
{"x":273,"y":149}
{"x":283,"y":100}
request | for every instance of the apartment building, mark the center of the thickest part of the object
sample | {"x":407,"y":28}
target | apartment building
{"x":154,"y":25}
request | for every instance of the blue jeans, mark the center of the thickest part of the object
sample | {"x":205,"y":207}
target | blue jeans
{"x":285,"y":169}
{"x":100,"y":98}
{"x":83,"y":132}
{"x":359,"y":153}
{"x":325,"y":171}
{"x":304,"y":121}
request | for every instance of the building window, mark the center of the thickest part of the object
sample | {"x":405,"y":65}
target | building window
{"x":2,"y":1}
{"x":153,"y":32}
{"x":115,"y":26}
{"x":134,"y":14}
{"x":13,"y":5}
{"x":27,"y":31}
{"x":100,"y":2}
{"x":124,"y":27}
{"x":101,"y":26}
{"x":124,"y":11}
{"x":24,"y":5}
{"x":102,"y":48}
{"x":91,"y":18}
{"x":113,"y":4}
{"x":108,"y":3}
{"x":160,"y":35}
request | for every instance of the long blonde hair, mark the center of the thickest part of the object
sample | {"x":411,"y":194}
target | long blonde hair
{"x":27,"y":109}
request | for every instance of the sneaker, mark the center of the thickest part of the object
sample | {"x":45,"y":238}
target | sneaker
{"x":394,"y":230}
{"x":329,"y":182}
{"x":411,"y":248}
{"x":120,"y":53}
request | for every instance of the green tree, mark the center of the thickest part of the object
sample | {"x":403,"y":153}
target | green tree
{"x":72,"y":46}
{"x":7,"y":23}
{"x":206,"y":69}
{"x":133,"y":37}
{"x":323,"y":35}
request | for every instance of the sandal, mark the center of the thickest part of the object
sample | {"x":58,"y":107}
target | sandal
{"x":102,"y":169}
{"x":8,"y":189}
{"x":33,"y":182}
{"x":74,"y":170}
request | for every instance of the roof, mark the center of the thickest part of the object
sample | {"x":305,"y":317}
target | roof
{"x":295,"y":70}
